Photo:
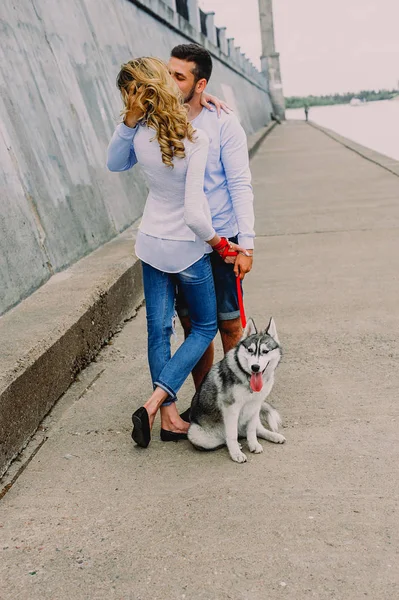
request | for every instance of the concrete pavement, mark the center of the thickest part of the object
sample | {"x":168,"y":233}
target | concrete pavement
{"x":93,"y":517}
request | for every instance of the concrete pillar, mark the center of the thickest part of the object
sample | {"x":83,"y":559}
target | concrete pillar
{"x":193,"y":14}
{"x":270,"y":59}
{"x":266,"y":27}
{"x":230,"y":47}
{"x":171,"y":4}
{"x":247,"y":66}
{"x":210,"y":27}
{"x":237,"y":55}
{"x":244,"y":63}
{"x":223,"y":40}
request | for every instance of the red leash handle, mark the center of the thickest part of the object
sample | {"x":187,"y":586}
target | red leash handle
{"x":223,"y":249}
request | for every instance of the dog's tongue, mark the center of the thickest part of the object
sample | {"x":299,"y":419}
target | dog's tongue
{"x":256,"y":382}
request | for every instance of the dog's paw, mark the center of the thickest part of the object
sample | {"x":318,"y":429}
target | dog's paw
{"x":238,"y":457}
{"x":277,"y":438}
{"x":256,"y":448}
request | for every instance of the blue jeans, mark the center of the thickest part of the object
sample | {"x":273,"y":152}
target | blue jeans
{"x":169,"y":372}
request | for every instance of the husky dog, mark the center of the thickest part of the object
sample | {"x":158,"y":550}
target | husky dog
{"x":232,"y":396}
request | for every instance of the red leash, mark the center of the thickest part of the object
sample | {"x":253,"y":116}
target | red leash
{"x":223,"y":249}
{"x":241,"y":302}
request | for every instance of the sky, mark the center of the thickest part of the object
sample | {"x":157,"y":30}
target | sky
{"x":325,"y":46}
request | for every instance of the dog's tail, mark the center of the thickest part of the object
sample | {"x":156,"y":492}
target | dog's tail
{"x":271,"y":415}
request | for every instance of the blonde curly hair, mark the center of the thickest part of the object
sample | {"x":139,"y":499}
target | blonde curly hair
{"x":147,"y":84}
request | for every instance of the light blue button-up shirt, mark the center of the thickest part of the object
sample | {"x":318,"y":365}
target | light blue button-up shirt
{"x":227,"y":176}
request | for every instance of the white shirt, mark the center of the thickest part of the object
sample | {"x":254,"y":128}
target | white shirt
{"x":176,"y":220}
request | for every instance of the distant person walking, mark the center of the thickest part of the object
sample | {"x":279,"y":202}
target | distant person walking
{"x":306,"y":109}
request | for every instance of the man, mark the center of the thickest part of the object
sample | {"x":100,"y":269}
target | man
{"x":228,"y":190}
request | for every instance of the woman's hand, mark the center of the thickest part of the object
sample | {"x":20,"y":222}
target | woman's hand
{"x":208,"y":100}
{"x":235,"y":248}
{"x":133,"y":113}
{"x":228,"y":251}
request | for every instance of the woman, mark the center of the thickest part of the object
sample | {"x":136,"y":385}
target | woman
{"x":175,"y":236}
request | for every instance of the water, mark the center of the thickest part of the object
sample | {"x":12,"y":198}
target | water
{"x":373,"y":124}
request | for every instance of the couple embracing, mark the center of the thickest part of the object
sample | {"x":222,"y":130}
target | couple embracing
{"x":199,"y":207}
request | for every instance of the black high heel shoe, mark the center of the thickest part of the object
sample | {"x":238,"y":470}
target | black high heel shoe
{"x":172,"y":436}
{"x":141,"y":433}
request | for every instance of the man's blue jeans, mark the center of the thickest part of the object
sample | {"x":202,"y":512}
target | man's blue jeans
{"x":196,"y":282}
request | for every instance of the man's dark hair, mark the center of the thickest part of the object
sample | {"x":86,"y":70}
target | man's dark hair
{"x":198,"y":55}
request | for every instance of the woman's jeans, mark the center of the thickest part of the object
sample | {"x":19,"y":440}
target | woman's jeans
{"x":196,"y":283}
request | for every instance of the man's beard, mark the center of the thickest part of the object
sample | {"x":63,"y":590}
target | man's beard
{"x":190,"y":94}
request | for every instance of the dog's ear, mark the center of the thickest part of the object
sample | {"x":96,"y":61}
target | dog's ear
{"x":272,"y":330}
{"x":250,"y":329}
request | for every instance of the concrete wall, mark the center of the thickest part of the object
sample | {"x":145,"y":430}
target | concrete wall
{"x":58,"y":108}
